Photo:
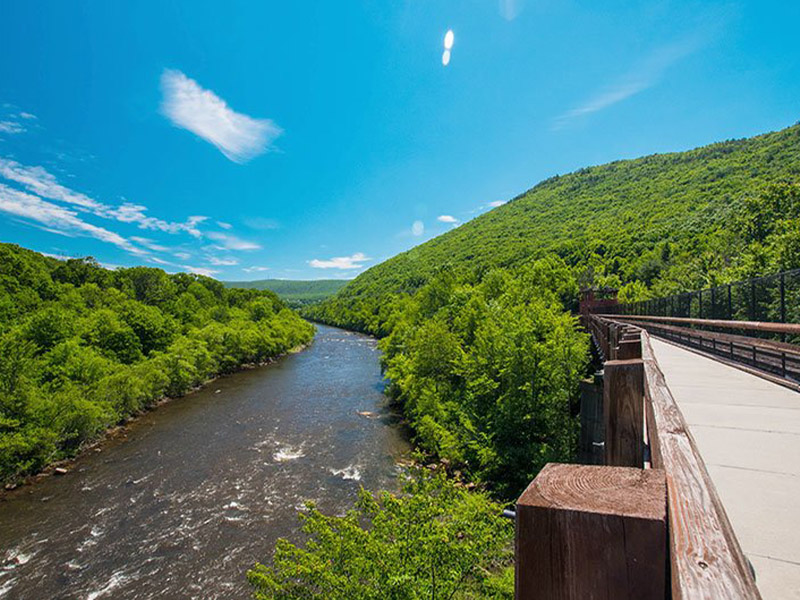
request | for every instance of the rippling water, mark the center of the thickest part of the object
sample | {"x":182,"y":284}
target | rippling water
{"x":202,"y":487}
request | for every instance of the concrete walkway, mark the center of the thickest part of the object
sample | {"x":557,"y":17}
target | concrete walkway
{"x":748,"y":432}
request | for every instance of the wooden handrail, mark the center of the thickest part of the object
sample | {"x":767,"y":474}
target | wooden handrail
{"x":762,"y":326}
{"x":705,"y":556}
{"x":706,"y":560}
{"x":601,"y":524}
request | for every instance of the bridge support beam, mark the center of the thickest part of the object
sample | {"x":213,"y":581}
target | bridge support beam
{"x":592,"y":532}
{"x":623,"y":407}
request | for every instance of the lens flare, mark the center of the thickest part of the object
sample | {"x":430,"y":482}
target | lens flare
{"x":446,"y":57}
{"x":448,"y":40}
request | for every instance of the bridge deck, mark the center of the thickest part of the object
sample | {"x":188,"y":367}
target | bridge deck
{"x":748,"y":432}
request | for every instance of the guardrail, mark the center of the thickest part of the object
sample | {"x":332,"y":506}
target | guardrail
{"x":650,"y":523}
{"x":770,"y":298}
{"x":774,"y":360}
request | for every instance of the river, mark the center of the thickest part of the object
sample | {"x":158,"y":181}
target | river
{"x":200,"y":489}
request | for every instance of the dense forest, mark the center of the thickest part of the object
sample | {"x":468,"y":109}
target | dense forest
{"x":294,"y":292}
{"x":83,"y":348}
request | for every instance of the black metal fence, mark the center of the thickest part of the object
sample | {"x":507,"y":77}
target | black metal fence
{"x":772,"y":298}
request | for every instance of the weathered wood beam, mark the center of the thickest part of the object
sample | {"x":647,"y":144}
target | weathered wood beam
{"x":623,"y":407}
{"x":706,"y":560}
{"x":592,"y":532}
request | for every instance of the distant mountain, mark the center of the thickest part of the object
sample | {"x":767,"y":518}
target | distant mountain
{"x":295,"y":292}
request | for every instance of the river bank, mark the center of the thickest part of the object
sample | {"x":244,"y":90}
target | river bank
{"x":122,"y":429}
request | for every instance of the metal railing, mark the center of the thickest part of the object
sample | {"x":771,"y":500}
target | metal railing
{"x":775,"y":360}
{"x":771,"y":298}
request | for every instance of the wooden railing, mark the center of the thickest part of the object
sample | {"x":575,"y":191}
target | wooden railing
{"x":650,"y":523}
{"x":769,"y":358}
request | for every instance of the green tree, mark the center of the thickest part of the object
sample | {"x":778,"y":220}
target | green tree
{"x":434,"y":541}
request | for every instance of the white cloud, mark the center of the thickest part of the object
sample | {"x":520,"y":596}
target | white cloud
{"x":43,"y":183}
{"x":496,"y":203}
{"x":200,"y":270}
{"x":222,"y":262}
{"x":447,"y":219}
{"x":189,"y":106}
{"x":231,"y":242}
{"x":39,"y":181}
{"x":11,"y":127}
{"x":182,"y":255}
{"x":10,"y":120}
{"x":417,"y":228}
{"x":645,"y":74}
{"x":149,"y":244}
{"x":446,"y":58}
{"x":341,"y":262}
{"x":224,"y":225}
{"x":57,"y":219}
{"x":255,"y":269}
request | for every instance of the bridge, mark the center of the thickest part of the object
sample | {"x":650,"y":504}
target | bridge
{"x":697,"y":455}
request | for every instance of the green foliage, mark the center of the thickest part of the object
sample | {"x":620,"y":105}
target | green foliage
{"x":488,"y":373}
{"x":435,"y":541}
{"x":294,"y":292}
{"x":82,"y":347}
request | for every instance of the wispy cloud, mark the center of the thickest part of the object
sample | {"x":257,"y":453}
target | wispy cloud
{"x":227,"y":241}
{"x":645,"y":74}
{"x":496,"y":203}
{"x":191,"y":107}
{"x":43,"y":183}
{"x":341,"y":262}
{"x":222,"y":262}
{"x":12,"y":120}
{"x":224,"y":225}
{"x":11,"y":127}
{"x":58,"y":219}
{"x":149,"y":244}
{"x":417,"y":228}
{"x":447,"y":219}
{"x":255,"y":269}
{"x":200,"y":270}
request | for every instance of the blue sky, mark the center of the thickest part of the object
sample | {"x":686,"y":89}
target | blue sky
{"x":312,"y":140}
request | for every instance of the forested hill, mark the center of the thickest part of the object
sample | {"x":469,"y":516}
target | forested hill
{"x":669,"y":221}
{"x":295,"y":292}
{"x":479,"y":341}
{"x":83,"y":348}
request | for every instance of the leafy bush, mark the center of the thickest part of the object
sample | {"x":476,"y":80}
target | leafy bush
{"x":436,"y":540}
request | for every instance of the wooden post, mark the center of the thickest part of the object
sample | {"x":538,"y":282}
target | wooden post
{"x":592,"y":532}
{"x":613,"y":341}
{"x":623,"y":406}
{"x":629,"y":349}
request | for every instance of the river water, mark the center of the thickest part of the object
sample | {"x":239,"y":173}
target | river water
{"x":200,"y":489}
